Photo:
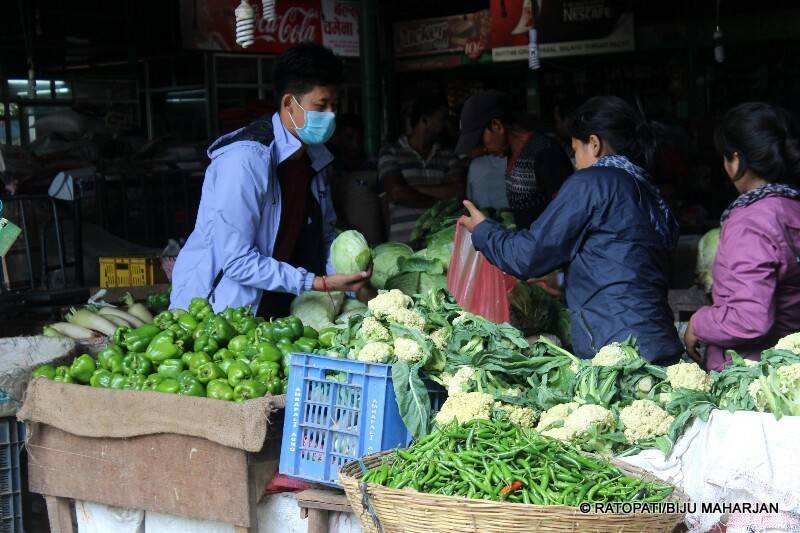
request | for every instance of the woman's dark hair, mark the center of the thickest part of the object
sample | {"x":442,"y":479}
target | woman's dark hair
{"x":765,"y":138}
{"x":305,"y":66}
{"x":619,"y":125}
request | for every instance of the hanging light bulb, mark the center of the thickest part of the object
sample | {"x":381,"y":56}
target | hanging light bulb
{"x":245,"y":24}
{"x":719,"y":46}
{"x":268,"y":9}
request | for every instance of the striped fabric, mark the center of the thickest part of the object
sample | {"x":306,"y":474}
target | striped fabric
{"x":400,"y":158}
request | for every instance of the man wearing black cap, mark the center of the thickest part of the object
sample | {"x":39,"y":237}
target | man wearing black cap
{"x":537,"y":165}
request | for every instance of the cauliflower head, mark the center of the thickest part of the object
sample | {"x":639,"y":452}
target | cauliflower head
{"x":441,"y":337}
{"x":408,"y":318}
{"x":407,"y":350}
{"x":790,"y":343}
{"x":644,"y":420}
{"x":556,"y":414}
{"x":375,"y":352}
{"x":580,"y":421}
{"x":789,"y":378}
{"x":465,"y":406}
{"x":460,"y":381}
{"x":756,"y":392}
{"x":373,"y":330}
{"x":614,"y":354}
{"x":388,"y":302}
{"x":688,"y":376}
{"x":520,"y":416}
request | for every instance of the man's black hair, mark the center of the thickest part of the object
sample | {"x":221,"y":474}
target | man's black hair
{"x":426,"y":106}
{"x":305,"y":66}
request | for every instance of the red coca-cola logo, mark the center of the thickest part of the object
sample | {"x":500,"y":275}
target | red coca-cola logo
{"x":294,"y":26}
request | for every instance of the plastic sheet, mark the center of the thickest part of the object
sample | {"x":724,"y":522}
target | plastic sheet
{"x":477,"y":285}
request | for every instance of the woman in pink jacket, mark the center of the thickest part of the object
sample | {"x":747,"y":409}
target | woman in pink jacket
{"x":756,"y":290}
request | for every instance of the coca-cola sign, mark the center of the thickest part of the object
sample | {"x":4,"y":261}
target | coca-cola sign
{"x":295,"y":25}
{"x":210,"y":25}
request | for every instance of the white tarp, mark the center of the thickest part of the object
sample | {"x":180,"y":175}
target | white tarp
{"x":733,"y":457}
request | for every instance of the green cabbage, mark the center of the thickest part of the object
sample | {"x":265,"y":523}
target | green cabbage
{"x":350,"y":253}
{"x":317,"y":309}
{"x":706,"y":252}
{"x":384,"y":263}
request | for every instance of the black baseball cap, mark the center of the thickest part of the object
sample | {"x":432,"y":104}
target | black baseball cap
{"x":477,"y":113}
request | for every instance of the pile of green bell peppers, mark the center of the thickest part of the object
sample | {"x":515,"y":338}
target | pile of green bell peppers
{"x":230,"y":355}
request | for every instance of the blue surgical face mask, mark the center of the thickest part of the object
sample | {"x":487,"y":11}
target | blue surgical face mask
{"x":318,"y":126}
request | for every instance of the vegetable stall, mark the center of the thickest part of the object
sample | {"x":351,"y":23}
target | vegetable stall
{"x":423,"y":412}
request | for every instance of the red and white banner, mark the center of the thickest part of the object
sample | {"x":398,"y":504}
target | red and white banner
{"x":340,"y":26}
{"x":210,"y":25}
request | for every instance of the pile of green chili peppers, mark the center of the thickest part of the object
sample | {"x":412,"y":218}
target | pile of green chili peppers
{"x":226,"y":356}
{"x":495,"y":460}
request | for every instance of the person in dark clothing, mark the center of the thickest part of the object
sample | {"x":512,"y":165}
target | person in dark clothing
{"x":609,"y":228}
{"x":537,"y":166}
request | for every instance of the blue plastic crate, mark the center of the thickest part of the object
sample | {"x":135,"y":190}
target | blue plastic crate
{"x":328,"y":423}
{"x":12,"y":438}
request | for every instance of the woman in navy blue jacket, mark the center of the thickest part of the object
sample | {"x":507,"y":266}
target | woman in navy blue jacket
{"x":608,"y":228}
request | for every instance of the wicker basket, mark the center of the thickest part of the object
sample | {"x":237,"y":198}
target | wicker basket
{"x":404,"y":511}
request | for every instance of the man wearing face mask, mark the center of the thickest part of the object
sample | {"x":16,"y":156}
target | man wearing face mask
{"x":265,"y":221}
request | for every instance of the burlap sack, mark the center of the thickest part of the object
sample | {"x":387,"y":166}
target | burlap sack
{"x":95,"y":412}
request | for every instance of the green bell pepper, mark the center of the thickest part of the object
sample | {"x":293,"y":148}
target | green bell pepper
{"x":135,"y":382}
{"x":114,"y":363}
{"x":82,"y":368}
{"x":223,"y":353}
{"x":209,"y":372}
{"x":136,"y":363}
{"x":63,"y":375}
{"x":47,"y":371}
{"x":284,"y":385}
{"x":186,"y":357}
{"x":180,"y":334}
{"x":249,"y":388}
{"x":187,"y":322}
{"x":296,"y":325}
{"x":204,"y":343}
{"x":105,"y":353}
{"x":265,"y":368}
{"x":237,"y":371}
{"x":169,"y":386}
{"x":171,"y":368}
{"x":327,"y":336}
{"x":281,"y":330}
{"x":164,"y":320}
{"x":264,"y":332}
{"x":230,"y":314}
{"x":266,"y":351}
{"x":163,"y":347}
{"x":220,"y":330}
{"x":192,"y":388}
{"x":219,"y":389}
{"x":151,"y":382}
{"x":119,"y":335}
{"x":101,"y":378}
{"x":225,"y":364}
{"x":238,"y":344}
{"x":245,"y":325}
{"x":200,"y":309}
{"x":310,"y":332}
{"x":137,"y":340}
{"x":287,"y":350}
{"x":304,"y":344}
{"x":118,"y":381}
{"x":198,"y":360}
{"x":274,"y":386}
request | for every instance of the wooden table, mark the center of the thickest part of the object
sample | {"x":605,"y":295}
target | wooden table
{"x":315,"y":504}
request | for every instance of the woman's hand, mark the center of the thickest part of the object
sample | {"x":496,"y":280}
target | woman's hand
{"x":549,"y":283}
{"x":474,"y":218}
{"x":691,"y":341}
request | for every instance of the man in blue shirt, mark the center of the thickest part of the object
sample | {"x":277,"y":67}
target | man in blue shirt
{"x":265,"y":221}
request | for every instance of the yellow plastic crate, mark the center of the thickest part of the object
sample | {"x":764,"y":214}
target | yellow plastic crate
{"x":130,"y":271}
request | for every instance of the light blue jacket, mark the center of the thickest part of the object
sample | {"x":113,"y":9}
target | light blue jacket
{"x":238,"y":220}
